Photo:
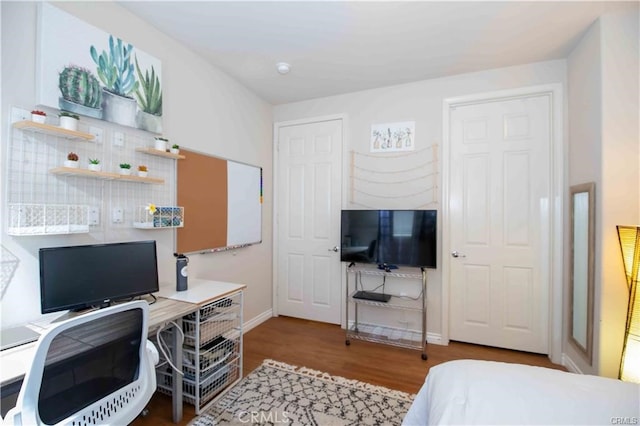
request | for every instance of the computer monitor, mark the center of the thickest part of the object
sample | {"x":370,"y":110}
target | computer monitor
{"x":80,"y":277}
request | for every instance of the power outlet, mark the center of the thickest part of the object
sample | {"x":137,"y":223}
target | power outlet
{"x":94,"y":216}
{"x":117,"y":215}
{"x":98,"y":134}
{"x":118,"y":139}
{"x":19,"y":114}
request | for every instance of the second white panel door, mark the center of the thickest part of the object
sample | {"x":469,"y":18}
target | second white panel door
{"x":499,"y":223}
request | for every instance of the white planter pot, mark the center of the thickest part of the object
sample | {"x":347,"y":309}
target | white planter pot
{"x":125,"y":172}
{"x":37,"y":118}
{"x":71,"y":164}
{"x":174,"y":151}
{"x":69,"y":123}
{"x":95,"y":167}
{"x":142,"y":174}
{"x":160,"y":145}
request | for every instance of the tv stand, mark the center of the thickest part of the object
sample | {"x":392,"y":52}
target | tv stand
{"x":380,"y":334}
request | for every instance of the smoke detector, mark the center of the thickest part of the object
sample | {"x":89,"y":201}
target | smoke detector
{"x":283,"y":67}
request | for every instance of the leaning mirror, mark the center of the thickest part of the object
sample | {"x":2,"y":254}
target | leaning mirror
{"x":582,"y":238}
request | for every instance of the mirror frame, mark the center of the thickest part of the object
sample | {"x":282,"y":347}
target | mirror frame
{"x":589,"y":189}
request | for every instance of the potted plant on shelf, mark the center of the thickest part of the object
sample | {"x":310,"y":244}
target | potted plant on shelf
{"x":161,"y":144}
{"x":175,"y":149}
{"x":142,"y":171}
{"x":72,"y":160}
{"x":125,"y":169}
{"x":94,"y":165}
{"x":38,"y":116}
{"x":69,"y":120}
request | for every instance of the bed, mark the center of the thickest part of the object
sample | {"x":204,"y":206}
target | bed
{"x":491,"y":393}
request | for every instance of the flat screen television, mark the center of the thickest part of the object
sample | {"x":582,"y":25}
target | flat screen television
{"x":391,"y":237}
{"x":79,"y":277}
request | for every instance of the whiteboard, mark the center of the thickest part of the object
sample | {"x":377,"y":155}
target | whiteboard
{"x":222,"y":202}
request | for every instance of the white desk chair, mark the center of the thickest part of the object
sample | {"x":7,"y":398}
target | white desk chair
{"x":96,"y":368}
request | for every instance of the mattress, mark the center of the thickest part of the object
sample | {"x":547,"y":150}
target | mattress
{"x":485,"y":392}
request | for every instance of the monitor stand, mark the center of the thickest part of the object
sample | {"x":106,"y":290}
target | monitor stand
{"x":70,"y":314}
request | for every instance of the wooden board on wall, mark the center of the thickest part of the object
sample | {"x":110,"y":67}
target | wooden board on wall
{"x":222,"y":203}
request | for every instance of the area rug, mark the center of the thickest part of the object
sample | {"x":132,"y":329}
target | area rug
{"x":278,"y":393}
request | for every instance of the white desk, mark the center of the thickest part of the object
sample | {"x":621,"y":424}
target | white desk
{"x":170,"y":306}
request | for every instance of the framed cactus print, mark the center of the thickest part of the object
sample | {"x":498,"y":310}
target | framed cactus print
{"x":85,"y":70}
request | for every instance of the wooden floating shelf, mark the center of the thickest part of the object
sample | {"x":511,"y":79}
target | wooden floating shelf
{"x":153,"y":151}
{"x":52,"y":130}
{"x":69,"y":171}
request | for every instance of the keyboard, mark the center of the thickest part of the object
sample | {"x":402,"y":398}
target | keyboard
{"x":371,"y":295}
{"x":16,"y":336}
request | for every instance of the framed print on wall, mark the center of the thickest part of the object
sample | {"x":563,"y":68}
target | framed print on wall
{"x":391,"y":137}
{"x":85,"y":70}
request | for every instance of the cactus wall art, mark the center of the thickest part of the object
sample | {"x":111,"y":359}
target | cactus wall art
{"x":87,"y":71}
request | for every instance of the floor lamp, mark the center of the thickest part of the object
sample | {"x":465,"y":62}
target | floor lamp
{"x":630,"y":244}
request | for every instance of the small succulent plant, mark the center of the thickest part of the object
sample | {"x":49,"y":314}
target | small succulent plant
{"x":175,"y":146}
{"x":94,"y":161}
{"x":72,"y":156}
{"x":125,"y":165}
{"x":161,"y":139}
{"x":142,"y":168}
{"x":69,"y":114}
{"x":38,"y":112}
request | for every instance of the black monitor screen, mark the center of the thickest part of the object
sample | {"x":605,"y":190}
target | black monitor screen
{"x":79,"y":277}
{"x":392,"y":237}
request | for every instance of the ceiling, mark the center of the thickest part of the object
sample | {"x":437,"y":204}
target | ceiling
{"x":338,"y":47}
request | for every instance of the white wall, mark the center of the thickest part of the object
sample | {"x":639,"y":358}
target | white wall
{"x":604,"y":143}
{"x":204,"y":110}
{"x":619,"y":199}
{"x":585,"y":140}
{"x":421,"y":102}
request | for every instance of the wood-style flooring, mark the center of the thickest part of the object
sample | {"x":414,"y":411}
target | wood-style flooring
{"x":322,"y":347}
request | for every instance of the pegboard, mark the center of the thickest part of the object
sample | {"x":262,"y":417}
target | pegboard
{"x":33,"y":188}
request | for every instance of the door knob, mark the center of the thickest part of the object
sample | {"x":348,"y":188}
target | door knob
{"x":456,"y":253}
{"x":335,"y":248}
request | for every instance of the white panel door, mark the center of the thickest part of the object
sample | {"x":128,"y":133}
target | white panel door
{"x":308,"y":215}
{"x":499,"y":216}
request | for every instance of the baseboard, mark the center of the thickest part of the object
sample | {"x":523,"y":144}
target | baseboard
{"x":571,"y":366}
{"x":257,"y":320}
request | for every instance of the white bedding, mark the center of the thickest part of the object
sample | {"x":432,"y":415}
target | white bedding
{"x":486,"y":392}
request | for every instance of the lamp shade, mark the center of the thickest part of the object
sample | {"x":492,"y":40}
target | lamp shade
{"x":630,"y":245}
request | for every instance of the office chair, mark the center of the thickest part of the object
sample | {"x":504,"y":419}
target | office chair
{"x":96,"y":368}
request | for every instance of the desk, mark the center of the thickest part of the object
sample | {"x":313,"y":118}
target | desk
{"x":170,"y":306}
{"x":17,"y":360}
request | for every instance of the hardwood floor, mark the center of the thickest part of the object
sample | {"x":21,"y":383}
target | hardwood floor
{"x":322,"y":347}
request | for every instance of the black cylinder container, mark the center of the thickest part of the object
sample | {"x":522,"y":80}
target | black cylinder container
{"x":181,"y":272}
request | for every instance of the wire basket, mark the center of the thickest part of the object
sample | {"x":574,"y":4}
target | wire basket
{"x":162,"y":217}
{"x":47,"y":219}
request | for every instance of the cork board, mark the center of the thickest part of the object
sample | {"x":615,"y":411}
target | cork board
{"x":222,"y":202}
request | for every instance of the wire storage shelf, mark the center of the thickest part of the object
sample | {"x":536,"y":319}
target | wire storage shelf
{"x":161,"y":217}
{"x":360,"y":330}
{"x":47,"y":219}
{"x":212,"y":352}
